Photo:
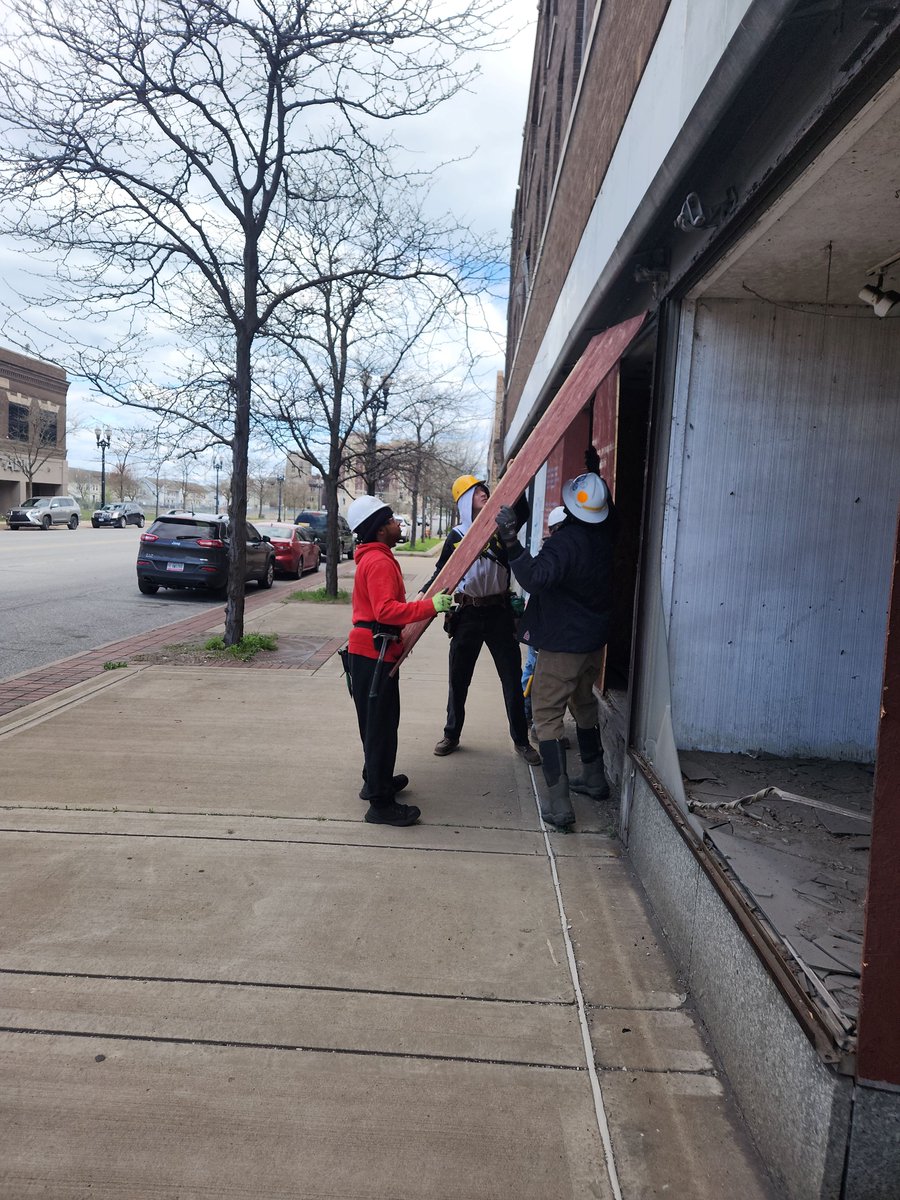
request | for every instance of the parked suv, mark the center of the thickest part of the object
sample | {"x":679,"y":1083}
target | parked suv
{"x":119,"y":515}
{"x":40,"y":512}
{"x":317,"y":521}
{"x":190,"y":550}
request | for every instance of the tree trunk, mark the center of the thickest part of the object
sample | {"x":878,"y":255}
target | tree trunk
{"x":237,"y":505}
{"x":415,"y":518}
{"x":330,"y":492}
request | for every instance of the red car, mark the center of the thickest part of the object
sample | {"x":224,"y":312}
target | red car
{"x":295,"y":549}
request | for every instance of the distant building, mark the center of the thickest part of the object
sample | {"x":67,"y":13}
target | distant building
{"x":32,"y":428}
{"x":302,"y":485}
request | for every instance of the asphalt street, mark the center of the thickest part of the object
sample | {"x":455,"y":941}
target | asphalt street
{"x":64,"y":591}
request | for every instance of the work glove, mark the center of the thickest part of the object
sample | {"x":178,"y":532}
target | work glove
{"x":442,"y":602}
{"x":507,"y":525}
{"x":517,"y":604}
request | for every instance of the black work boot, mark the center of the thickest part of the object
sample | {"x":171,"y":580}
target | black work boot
{"x":392,"y":814}
{"x":557,"y":808}
{"x":398,"y":783}
{"x":592,"y":780}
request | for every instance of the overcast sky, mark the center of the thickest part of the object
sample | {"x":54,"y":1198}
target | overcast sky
{"x":478,"y":133}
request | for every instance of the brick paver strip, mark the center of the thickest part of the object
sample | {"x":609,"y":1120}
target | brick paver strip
{"x":47,"y":681}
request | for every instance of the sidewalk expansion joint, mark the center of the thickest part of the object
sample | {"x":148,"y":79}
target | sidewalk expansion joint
{"x":279,"y":985}
{"x":590,"y":1062}
{"x":218,"y":837}
{"x":229,"y":1044}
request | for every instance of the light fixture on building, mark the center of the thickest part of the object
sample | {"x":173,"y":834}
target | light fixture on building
{"x":883,"y":303}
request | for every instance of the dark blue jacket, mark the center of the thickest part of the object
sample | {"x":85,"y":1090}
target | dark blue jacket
{"x":570,"y":582}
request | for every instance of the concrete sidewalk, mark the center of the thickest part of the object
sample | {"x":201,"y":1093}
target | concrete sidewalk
{"x":217,"y":980}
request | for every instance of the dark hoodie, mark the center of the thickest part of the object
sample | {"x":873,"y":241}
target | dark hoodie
{"x":570,"y":586}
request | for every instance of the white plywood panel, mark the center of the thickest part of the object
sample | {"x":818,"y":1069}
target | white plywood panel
{"x":538,"y":505}
{"x":786,"y":516}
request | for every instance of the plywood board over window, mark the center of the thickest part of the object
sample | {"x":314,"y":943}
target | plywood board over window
{"x":598,"y":360}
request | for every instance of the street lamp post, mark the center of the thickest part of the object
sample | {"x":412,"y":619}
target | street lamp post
{"x":104,"y":437}
{"x":280,"y":479}
{"x":377,"y":405}
{"x":217,"y":467}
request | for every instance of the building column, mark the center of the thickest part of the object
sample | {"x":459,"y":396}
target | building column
{"x":878,"y":1058}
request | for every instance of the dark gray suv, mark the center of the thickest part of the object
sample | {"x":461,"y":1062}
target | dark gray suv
{"x":190,"y":550}
{"x":40,"y":512}
{"x":317,"y":519}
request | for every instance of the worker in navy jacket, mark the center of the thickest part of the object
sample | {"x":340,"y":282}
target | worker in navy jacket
{"x":567,"y":619}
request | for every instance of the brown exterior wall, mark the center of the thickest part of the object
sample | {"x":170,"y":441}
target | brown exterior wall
{"x":624,"y":39}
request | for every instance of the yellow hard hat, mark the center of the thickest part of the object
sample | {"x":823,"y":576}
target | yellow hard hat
{"x":463,"y":484}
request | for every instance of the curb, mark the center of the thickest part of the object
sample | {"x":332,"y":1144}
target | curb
{"x":40,"y":683}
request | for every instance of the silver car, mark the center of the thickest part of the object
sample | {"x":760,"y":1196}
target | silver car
{"x":40,"y":512}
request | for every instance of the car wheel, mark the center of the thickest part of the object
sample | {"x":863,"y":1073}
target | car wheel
{"x":318,"y":564}
{"x":95,"y":524}
{"x":73,"y":522}
{"x":120,"y":524}
{"x":266,"y":581}
{"x":148,"y":588}
{"x":140,"y":522}
{"x":46,"y":523}
{"x":300,"y":567}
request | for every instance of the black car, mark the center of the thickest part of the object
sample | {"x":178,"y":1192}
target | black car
{"x":190,"y":550}
{"x":317,"y":520}
{"x":119,"y":515}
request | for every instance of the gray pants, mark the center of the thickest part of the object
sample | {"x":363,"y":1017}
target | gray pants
{"x":560,"y":681}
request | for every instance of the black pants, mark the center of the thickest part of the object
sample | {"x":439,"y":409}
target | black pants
{"x":493,"y":626}
{"x":379,"y":720}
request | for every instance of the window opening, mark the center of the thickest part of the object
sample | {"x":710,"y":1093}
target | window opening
{"x":18,"y":423}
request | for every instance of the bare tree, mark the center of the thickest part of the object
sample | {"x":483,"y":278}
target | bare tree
{"x":167,"y":153}
{"x":127,"y":445}
{"x":260,"y":481}
{"x":154,"y":456}
{"x":392,"y":283}
{"x":34,"y":439}
{"x":428,"y":417}
{"x":83,"y":486}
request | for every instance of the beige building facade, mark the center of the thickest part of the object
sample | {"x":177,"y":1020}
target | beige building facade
{"x":32,"y":428}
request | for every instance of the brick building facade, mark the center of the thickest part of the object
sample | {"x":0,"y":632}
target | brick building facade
{"x":728,"y":170}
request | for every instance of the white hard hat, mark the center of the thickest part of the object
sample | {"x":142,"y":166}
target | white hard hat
{"x":362,"y":508}
{"x":586,"y":498}
{"x":557,"y":516}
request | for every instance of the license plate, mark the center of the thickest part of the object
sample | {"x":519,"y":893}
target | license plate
{"x":174,"y":566}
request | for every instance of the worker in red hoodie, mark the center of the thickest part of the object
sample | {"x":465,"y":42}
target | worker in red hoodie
{"x":380,"y":610}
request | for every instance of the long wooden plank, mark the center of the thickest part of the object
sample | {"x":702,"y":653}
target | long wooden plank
{"x":602,"y":353}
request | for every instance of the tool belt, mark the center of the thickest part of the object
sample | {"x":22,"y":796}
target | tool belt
{"x":378,"y":630}
{"x":466,"y":601}
{"x":385,"y":634}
